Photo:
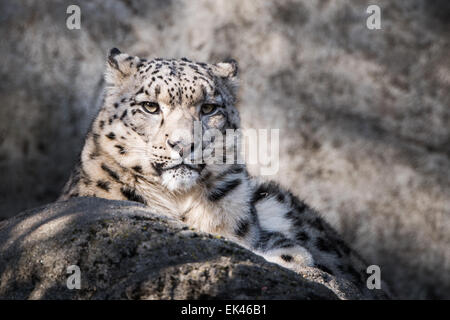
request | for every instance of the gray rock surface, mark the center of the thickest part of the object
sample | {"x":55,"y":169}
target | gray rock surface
{"x":126,"y":252}
{"x":364,"y":115}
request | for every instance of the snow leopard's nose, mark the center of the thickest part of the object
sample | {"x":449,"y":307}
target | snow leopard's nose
{"x":173,"y":144}
{"x":180,"y":147}
{"x":177,"y":146}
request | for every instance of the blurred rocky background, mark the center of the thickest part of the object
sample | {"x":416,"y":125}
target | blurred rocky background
{"x":364,"y":115}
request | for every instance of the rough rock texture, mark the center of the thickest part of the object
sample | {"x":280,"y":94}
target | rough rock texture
{"x":364,"y":115}
{"x":126,"y":252}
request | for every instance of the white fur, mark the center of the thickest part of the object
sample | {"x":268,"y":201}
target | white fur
{"x":271,"y":215}
{"x":300,"y":257}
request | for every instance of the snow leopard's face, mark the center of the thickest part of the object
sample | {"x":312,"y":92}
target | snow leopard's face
{"x":156,"y":114}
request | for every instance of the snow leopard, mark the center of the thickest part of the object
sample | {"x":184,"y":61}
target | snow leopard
{"x":141,"y":145}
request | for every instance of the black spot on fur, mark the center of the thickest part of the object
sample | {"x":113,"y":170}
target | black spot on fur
{"x":268,"y":239}
{"x":280,"y":197}
{"x":86,"y":181}
{"x":223,"y":189}
{"x":111,"y":135}
{"x":242,"y":228}
{"x":141,"y":90}
{"x":299,"y":205}
{"x":283,"y":243}
{"x":103,"y":185}
{"x":327,"y":245}
{"x":302,"y":236}
{"x":121,"y":149}
{"x":286,"y":257}
{"x":296,"y":218}
{"x":290,"y":215}
{"x":157,"y":167}
{"x":257,"y":196}
{"x":266,"y":189}
{"x":317,"y":224}
{"x":132,"y":195}
{"x":235,"y":169}
{"x":138,"y":169}
{"x":110,"y":172}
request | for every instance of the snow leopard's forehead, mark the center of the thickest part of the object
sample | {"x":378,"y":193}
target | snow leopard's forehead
{"x":179,"y":82}
{"x":170,"y":82}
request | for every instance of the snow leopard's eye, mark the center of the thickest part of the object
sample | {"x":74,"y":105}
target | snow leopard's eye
{"x":208,"y":108}
{"x":150,"y":107}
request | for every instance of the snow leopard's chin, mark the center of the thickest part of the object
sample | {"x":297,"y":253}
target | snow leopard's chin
{"x":179,"y":179}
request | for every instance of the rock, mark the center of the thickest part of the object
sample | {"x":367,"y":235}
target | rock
{"x":363,"y":114}
{"x":126,"y":252}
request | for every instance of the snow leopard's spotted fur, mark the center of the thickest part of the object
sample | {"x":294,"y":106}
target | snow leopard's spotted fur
{"x":128,"y":154}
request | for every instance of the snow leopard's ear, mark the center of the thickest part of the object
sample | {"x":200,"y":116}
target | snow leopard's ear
{"x":227,"y":71}
{"x":119,"y":67}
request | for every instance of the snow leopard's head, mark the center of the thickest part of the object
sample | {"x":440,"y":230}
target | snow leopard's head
{"x":160,"y":117}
